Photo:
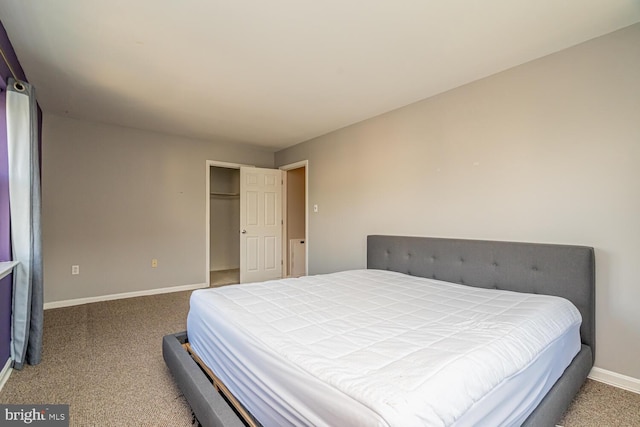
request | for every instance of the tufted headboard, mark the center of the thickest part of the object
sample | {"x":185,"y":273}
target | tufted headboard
{"x":561,"y":270}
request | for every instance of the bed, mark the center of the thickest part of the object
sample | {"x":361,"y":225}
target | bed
{"x":558,"y":270}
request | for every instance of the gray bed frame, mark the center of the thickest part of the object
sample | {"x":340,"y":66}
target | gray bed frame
{"x":561,"y":270}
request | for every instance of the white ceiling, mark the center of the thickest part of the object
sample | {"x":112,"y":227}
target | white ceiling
{"x":275,"y":73}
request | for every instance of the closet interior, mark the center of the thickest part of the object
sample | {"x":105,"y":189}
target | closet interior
{"x":224,"y":199}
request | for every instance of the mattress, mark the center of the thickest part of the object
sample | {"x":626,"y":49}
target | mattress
{"x":372,"y":347}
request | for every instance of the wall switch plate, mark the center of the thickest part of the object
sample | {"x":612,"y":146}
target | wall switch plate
{"x":75,"y":269}
{"x":315,"y":208}
{"x":154,"y":263}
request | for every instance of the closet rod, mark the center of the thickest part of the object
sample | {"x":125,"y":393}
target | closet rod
{"x":215,"y":194}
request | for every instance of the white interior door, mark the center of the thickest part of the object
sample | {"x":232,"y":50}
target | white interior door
{"x":260,"y":224}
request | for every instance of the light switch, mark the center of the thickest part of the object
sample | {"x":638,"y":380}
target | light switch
{"x":315,"y":208}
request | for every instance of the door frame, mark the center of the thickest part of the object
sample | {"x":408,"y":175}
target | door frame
{"x":285,"y":244}
{"x":213,"y":163}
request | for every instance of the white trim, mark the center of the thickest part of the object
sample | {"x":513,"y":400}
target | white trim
{"x":302,"y":164}
{"x":228,"y":165}
{"x":5,"y":373}
{"x":285,"y":228}
{"x":6,"y":267}
{"x":88,"y":300}
{"x":296,"y":165}
{"x":615,"y":379}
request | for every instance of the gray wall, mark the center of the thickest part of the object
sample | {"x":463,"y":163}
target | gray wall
{"x":545,"y":152}
{"x":113,"y":198}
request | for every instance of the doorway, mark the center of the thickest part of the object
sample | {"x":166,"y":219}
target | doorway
{"x":224,"y":223}
{"x":223,"y":226}
{"x":295,"y":231}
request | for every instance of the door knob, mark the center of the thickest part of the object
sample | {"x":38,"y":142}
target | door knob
{"x":244,"y":231}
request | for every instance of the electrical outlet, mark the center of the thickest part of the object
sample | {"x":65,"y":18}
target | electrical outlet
{"x":75,"y":269}
{"x":154,"y":263}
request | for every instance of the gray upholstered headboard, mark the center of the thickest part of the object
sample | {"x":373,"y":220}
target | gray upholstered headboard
{"x":561,"y":270}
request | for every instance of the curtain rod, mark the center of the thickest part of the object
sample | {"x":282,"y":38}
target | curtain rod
{"x":6,"y":61}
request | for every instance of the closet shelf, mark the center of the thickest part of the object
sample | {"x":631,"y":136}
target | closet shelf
{"x":217,"y":194}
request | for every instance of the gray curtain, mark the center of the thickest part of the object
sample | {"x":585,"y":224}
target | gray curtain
{"x":26,"y":237}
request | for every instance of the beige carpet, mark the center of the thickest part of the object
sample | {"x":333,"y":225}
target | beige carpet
{"x":105,"y":360}
{"x":600,"y":405}
{"x":224,"y":277}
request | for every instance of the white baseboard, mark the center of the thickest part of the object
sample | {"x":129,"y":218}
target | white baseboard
{"x":80,"y":301}
{"x":5,"y":373}
{"x":615,"y":379}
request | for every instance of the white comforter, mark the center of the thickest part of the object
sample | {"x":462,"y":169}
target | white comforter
{"x":414,"y":351}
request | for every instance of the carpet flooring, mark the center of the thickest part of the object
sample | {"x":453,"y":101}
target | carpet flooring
{"x":224,"y":277}
{"x":105,"y":360}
